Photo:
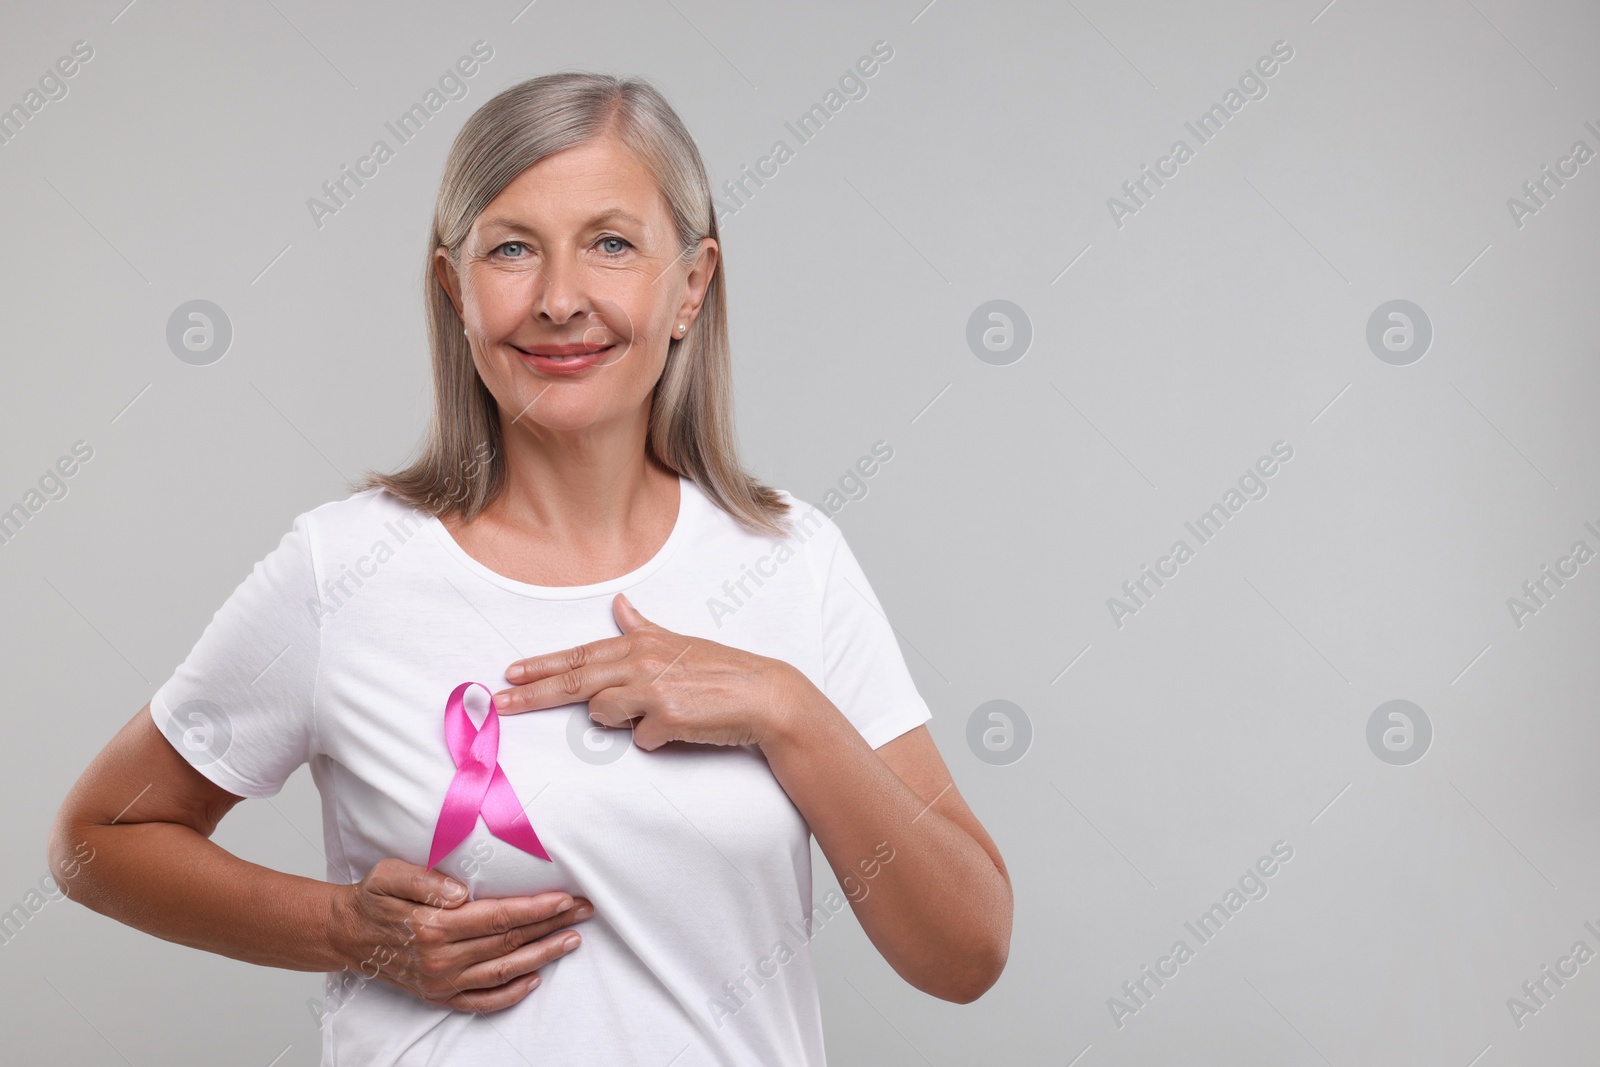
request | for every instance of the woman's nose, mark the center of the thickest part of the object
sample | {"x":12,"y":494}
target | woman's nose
{"x":560,"y":290}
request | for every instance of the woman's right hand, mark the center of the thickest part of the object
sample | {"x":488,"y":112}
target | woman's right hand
{"x":401,"y":923}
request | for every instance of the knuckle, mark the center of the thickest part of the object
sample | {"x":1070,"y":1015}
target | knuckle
{"x":577,"y":656}
{"x":501,"y":921}
{"x":572,"y":682}
{"x":502,"y":971}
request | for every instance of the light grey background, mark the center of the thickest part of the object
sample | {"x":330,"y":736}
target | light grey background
{"x":1228,"y":313}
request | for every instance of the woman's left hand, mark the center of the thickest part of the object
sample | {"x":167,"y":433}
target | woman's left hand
{"x":672,"y":687}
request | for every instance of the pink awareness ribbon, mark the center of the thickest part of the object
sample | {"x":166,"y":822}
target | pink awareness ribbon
{"x":479,"y":785}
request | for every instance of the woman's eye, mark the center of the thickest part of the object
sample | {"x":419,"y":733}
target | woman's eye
{"x":610,"y":246}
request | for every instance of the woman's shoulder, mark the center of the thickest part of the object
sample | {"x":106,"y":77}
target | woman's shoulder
{"x":361,"y":517}
{"x":806,"y":520}
{"x":803,"y":521}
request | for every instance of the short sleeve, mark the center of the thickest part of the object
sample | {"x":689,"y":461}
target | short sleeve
{"x":239,"y":708}
{"x":864,"y":671}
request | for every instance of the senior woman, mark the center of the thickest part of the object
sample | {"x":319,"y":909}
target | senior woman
{"x":689,"y":673}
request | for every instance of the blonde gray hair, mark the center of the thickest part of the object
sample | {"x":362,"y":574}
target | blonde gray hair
{"x":691,"y":418}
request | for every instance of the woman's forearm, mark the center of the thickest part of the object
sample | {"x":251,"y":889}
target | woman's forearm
{"x":940,"y":910}
{"x":168,"y":880}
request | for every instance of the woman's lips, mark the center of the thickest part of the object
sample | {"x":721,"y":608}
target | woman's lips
{"x":565,"y":359}
{"x":582,"y":348}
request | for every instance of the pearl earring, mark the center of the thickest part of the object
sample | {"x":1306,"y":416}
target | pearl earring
{"x":680,"y":327}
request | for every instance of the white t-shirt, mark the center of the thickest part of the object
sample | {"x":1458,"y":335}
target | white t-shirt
{"x":340,"y":650}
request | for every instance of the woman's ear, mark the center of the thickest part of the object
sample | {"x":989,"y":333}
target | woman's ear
{"x":445,"y":270}
{"x":699,"y":280}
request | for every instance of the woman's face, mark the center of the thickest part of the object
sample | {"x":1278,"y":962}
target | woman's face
{"x":579,"y":250}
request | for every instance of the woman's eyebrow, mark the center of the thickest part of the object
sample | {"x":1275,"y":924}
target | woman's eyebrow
{"x":609,"y":214}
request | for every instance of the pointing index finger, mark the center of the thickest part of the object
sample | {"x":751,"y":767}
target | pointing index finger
{"x":567,"y":659}
{"x":564,"y":685}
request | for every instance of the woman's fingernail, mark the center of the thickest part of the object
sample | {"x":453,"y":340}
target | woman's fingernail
{"x":502,"y":699}
{"x":515,"y":672}
{"x":564,"y":905}
{"x":571,"y":942}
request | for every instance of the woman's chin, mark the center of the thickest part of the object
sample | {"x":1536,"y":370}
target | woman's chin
{"x":544,"y":407}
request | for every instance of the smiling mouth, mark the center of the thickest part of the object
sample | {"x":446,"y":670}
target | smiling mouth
{"x":580,"y":355}
{"x":562,"y":353}
{"x":581,"y":347}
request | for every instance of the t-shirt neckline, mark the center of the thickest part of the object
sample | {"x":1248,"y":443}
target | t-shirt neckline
{"x":687,"y":501}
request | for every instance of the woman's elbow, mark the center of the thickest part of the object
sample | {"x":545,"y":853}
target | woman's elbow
{"x":988,"y":959}
{"x":981,"y":977}
{"x":70,"y":848}
{"x":971,"y":971}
